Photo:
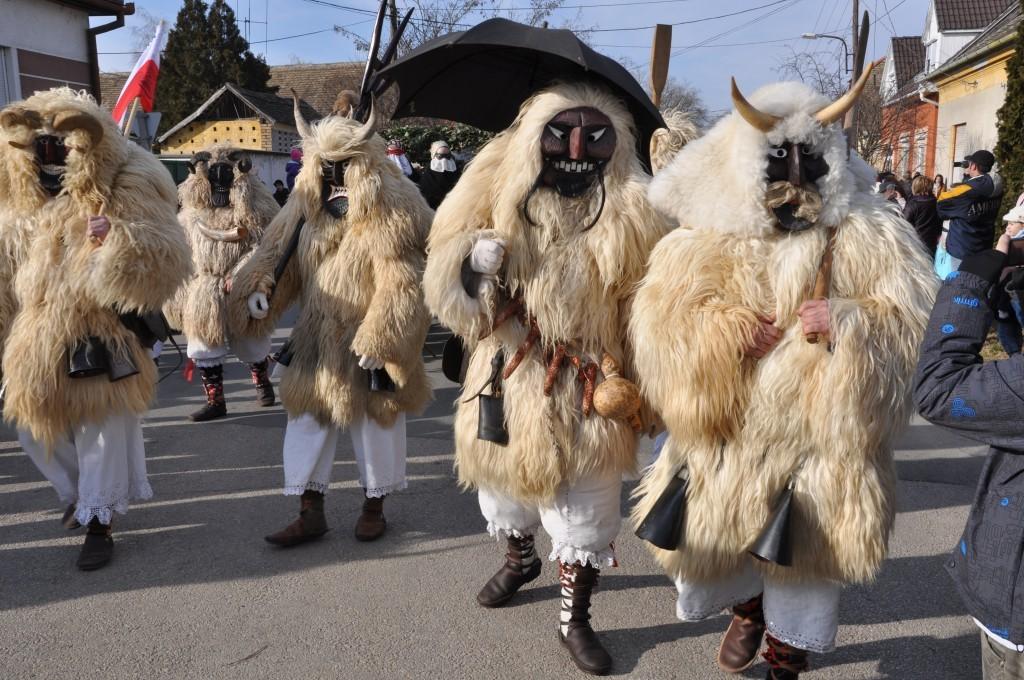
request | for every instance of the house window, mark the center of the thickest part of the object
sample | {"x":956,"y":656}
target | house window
{"x":7,"y":94}
{"x":920,"y":150}
{"x":901,"y":164}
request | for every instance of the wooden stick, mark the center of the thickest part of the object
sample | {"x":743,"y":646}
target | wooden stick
{"x":661,"y":54}
{"x":131,"y":117}
{"x":823,"y":280}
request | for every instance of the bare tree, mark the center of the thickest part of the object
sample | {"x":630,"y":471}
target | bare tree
{"x":144,"y":29}
{"x":684,"y":97}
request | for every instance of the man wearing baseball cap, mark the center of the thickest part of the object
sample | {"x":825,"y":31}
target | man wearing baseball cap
{"x":971,"y":209}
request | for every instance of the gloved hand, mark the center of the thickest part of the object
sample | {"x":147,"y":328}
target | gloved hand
{"x":370,"y":363}
{"x":259,"y":306}
{"x":487,"y":256}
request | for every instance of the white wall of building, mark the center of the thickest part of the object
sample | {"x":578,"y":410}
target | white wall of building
{"x":976,"y":114}
{"x":46,"y":27}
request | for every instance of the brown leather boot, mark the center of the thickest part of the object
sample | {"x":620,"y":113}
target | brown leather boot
{"x":213,"y":384}
{"x":785,"y":662}
{"x":311,"y":524}
{"x":264,"y":388}
{"x":574,"y":631}
{"x":742,"y":641}
{"x":98,"y":547}
{"x":521,"y":566}
{"x":371,"y":523}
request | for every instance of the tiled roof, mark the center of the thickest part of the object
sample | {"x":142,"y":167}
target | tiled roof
{"x":223,"y":104}
{"x":998,"y":33}
{"x":968,"y":15}
{"x":317,"y":84}
{"x":908,"y":58}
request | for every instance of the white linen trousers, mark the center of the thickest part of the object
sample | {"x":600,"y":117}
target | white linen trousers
{"x":248,"y":350}
{"x":309,"y":455}
{"x":582,"y":520}
{"x":99,"y":468}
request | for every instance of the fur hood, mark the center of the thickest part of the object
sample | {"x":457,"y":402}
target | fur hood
{"x":730,"y":163}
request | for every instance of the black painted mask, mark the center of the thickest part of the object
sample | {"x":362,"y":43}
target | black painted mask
{"x":333,"y":192}
{"x":576,"y":145}
{"x":793,"y":172}
{"x":51,"y":158}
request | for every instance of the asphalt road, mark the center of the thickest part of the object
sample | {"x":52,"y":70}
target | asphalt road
{"x":195,"y":592}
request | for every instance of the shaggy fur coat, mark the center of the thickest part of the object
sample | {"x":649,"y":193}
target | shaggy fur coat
{"x":16,"y":214}
{"x":356,"y":281}
{"x":578,"y":284}
{"x":741,"y":427}
{"x":67,"y":289}
{"x":200,"y":306}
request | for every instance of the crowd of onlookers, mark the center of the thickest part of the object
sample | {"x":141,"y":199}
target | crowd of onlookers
{"x":435,"y":179}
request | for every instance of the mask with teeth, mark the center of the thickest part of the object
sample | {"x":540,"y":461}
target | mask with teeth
{"x":576,"y":145}
{"x":221,"y":177}
{"x":333,"y":191}
{"x":51,"y":157}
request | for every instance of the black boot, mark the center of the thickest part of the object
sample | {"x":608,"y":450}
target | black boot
{"x":521,"y":566}
{"x":98,"y":547}
{"x":68,"y":521}
{"x":213,"y":383}
{"x":785,"y":662}
{"x":574,"y":631}
{"x":264,"y":388}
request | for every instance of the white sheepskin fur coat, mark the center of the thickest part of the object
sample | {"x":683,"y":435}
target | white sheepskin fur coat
{"x":577,"y":283}
{"x":742,"y":427}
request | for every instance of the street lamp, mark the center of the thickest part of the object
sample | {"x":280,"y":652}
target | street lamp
{"x":846,"y":50}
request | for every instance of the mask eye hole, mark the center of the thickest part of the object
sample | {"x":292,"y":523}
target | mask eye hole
{"x":559,"y":134}
{"x":597,"y":134}
{"x":806,"y":150}
{"x":778,"y":152}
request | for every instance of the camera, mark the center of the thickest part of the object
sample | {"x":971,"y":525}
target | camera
{"x":961,"y":164}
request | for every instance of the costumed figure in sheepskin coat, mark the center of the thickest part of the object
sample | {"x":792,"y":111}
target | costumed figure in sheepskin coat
{"x":103,"y":248}
{"x":354,"y":359}
{"x":533,"y":258}
{"x":224,"y":210}
{"x":780,"y":448}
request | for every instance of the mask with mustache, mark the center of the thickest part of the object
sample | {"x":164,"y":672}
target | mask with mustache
{"x":792,"y":195}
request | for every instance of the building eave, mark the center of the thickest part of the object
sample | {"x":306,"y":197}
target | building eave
{"x":952,"y":72}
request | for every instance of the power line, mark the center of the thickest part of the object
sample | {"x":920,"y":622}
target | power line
{"x":692,"y":21}
{"x":732,"y":30}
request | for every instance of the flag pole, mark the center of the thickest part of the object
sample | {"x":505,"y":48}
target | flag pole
{"x":131,"y":117}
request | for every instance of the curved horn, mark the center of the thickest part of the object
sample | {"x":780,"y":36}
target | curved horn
{"x":764,"y":122}
{"x":367,"y":129}
{"x":300,"y":122}
{"x":19,"y":115}
{"x":839,"y":107}
{"x":69,"y":121}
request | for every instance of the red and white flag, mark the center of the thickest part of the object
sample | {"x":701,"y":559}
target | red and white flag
{"x":142,"y":81}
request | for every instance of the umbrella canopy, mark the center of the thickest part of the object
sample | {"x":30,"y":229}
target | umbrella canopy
{"x":482,"y":76}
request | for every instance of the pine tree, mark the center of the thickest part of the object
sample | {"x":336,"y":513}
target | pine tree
{"x":204,"y":51}
{"x":1010,"y":147}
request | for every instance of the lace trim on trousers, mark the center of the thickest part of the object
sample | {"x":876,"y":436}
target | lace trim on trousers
{"x":570,"y":554}
{"x":320,"y":487}
{"x":500,"y":533}
{"x":381,"y":491}
{"x":104,"y":507}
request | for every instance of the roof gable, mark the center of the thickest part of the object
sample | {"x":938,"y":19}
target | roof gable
{"x":997,"y":34}
{"x":908,"y":58}
{"x":318,"y":84}
{"x":968,"y":15}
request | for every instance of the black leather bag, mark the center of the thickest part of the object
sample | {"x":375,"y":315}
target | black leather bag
{"x":284,"y":355}
{"x":88,"y":358}
{"x":148,"y":327}
{"x":663,"y":525}
{"x":120,"y":367}
{"x":452,"y":357}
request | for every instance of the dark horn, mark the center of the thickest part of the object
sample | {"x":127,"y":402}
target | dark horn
{"x":69,"y":121}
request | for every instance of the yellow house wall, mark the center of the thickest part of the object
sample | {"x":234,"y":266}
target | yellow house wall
{"x":244,"y":133}
{"x":968,"y":103}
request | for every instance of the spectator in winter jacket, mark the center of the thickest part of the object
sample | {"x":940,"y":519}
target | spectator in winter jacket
{"x":291,"y":169}
{"x":939,"y":185}
{"x":954,"y":388}
{"x":891,"y":191}
{"x":971,"y":209}
{"x":280,"y":193}
{"x":920,"y":211}
{"x":442,"y":174}
{"x":1009,"y":314}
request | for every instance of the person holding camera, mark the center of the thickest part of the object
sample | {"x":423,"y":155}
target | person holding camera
{"x":955,"y":389}
{"x":971,"y":209}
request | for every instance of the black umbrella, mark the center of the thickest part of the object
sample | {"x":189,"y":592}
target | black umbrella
{"x":481,"y":76}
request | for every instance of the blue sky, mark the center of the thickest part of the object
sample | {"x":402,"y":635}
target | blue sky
{"x":750,"y":44}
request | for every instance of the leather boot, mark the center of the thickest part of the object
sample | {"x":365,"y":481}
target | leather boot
{"x":310,"y":525}
{"x":574,"y":631}
{"x":371,"y":523}
{"x":264,"y":388}
{"x":785,"y":662}
{"x":98,"y":547}
{"x":742,"y":641}
{"x":521,"y":566}
{"x":68,"y":520}
{"x":213,"y":383}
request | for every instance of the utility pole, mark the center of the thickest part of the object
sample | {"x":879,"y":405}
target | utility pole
{"x":860,"y":48}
